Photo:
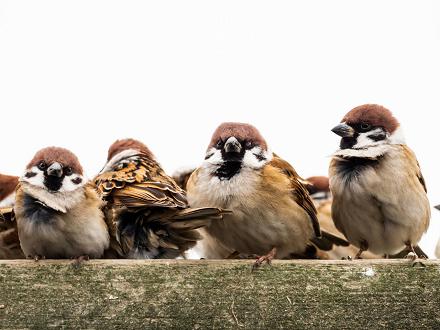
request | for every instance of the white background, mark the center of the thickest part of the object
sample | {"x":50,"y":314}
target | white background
{"x":81,"y":74}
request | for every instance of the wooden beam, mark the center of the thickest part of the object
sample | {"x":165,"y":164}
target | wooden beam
{"x":219,"y":294}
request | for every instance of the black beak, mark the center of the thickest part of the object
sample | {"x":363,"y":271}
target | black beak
{"x":343,"y":130}
{"x":232,"y":145}
{"x":55,"y":170}
{"x":437,"y":207}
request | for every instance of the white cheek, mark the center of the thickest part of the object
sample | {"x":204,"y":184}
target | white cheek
{"x":363,"y":141}
{"x":37,"y":180}
{"x":69,"y":185}
{"x":252,"y":161}
{"x":215,"y":158}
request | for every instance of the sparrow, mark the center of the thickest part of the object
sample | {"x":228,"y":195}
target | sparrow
{"x":272,"y":213}
{"x":379,"y":194}
{"x":8,"y":183}
{"x":147,"y":212}
{"x":58,"y":213}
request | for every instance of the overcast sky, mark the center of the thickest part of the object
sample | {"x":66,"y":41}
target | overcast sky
{"x":81,"y":74}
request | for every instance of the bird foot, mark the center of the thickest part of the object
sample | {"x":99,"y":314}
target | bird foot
{"x":415,"y":260}
{"x":36,"y":257}
{"x":267,"y":258}
{"x":78,"y":261}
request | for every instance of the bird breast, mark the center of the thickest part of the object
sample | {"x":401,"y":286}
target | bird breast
{"x":264,"y":214}
{"x":54,"y":234}
{"x":381,"y":201}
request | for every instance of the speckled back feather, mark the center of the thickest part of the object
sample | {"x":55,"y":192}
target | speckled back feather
{"x":147,"y":212}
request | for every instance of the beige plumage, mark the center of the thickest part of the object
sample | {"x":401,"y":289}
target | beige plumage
{"x":272,"y":214}
{"x":379,"y":194}
{"x":57,"y":214}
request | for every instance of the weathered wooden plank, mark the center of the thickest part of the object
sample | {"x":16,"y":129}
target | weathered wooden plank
{"x":219,"y":294}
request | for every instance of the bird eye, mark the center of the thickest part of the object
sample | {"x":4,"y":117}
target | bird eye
{"x":219,"y":144}
{"x":68,"y":171}
{"x":365,"y":126}
{"x":42,"y":165}
{"x":249,"y":145}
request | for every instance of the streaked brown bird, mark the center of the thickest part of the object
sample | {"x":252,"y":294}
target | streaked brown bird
{"x":272,"y":213}
{"x":146,"y":211}
{"x":379,"y":194}
{"x":58,"y":213}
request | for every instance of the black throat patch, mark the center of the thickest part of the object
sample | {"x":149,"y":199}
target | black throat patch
{"x":351,"y":168}
{"x":228,"y":170}
{"x":53,"y":183}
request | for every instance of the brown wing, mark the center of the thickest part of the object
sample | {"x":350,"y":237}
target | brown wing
{"x":421,"y":178}
{"x":141,"y":183}
{"x":147,"y":212}
{"x":299,"y":191}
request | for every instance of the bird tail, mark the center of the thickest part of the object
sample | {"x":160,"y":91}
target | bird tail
{"x":164,"y":234}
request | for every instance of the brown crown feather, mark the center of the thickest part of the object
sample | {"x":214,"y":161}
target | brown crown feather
{"x":8,"y":183}
{"x":240,"y":131}
{"x":125,"y":144}
{"x":320,"y":183}
{"x":372,"y":114}
{"x":55,"y":154}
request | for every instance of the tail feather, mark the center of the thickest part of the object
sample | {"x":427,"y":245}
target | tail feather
{"x":328,"y":240}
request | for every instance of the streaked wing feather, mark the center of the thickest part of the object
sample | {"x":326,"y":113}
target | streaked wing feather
{"x":299,"y":191}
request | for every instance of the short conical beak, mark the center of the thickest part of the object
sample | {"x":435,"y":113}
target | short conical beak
{"x":55,"y":170}
{"x":232,"y":145}
{"x":343,"y":130}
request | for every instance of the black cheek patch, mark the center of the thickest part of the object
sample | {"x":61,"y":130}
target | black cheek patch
{"x":77,"y":180}
{"x":260,"y":157}
{"x":208,"y":156}
{"x":30,"y":175}
{"x":377,"y":137}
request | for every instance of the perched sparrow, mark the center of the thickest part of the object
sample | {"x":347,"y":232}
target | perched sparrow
{"x":8,"y":183}
{"x":272,"y":213}
{"x":58,"y":215}
{"x":379,"y":194}
{"x":147,"y":212}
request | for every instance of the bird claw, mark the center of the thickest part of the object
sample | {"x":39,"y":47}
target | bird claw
{"x":267,"y":258}
{"x":37,"y":257}
{"x":78,"y":261}
{"x":415,"y":260}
